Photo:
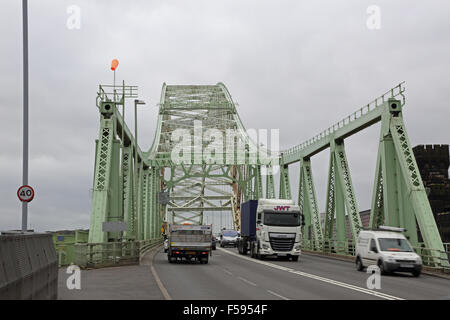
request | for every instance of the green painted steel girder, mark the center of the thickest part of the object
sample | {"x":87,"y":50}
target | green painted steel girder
{"x":270,"y":184}
{"x":359,"y":120}
{"x":285,"y":187}
{"x":308,"y":202}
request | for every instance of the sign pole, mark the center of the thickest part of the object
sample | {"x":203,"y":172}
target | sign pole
{"x":25,"y":110}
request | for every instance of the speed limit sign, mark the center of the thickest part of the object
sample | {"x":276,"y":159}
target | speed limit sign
{"x":25,"y":193}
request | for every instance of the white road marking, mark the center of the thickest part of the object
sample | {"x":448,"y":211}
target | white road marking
{"x":226,"y":271}
{"x":158,"y":280}
{"x":277,"y":295}
{"x":312,"y":276}
{"x":247,"y":281}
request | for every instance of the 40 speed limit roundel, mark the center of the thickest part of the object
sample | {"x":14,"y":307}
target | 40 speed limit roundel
{"x":25,"y":193}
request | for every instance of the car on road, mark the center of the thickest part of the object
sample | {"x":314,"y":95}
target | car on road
{"x":229,"y":238}
{"x":387,"y":248}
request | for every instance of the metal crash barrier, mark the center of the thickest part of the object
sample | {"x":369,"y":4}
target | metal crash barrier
{"x":28,"y":266}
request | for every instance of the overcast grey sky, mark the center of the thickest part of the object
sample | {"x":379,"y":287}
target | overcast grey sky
{"x":296,"y":65}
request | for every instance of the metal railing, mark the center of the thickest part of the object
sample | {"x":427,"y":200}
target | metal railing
{"x":346,"y":247}
{"x":431,"y":258}
{"x":394,"y":92}
{"x":95,"y":255}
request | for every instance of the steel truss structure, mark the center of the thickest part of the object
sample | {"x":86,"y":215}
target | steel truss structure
{"x":201,"y":155}
{"x":204,"y":159}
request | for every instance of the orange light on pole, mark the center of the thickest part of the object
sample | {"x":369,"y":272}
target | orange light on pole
{"x":114,"y":64}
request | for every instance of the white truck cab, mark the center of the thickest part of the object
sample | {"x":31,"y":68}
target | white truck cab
{"x":388,"y":249}
{"x":278,"y":228}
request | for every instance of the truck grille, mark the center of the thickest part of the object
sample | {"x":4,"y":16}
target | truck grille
{"x":281,"y":244}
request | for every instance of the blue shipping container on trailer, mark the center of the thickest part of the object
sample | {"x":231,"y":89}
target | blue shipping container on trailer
{"x":248,"y":218}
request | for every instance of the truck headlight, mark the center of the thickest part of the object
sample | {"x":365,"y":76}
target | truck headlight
{"x":297,"y":247}
{"x":265,"y":246}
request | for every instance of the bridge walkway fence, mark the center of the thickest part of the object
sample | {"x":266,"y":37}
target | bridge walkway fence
{"x":108,"y":254}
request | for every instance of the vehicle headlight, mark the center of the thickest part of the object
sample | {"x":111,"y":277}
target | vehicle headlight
{"x":265,"y":246}
{"x":297,"y":247}
{"x":390,"y":259}
{"x":419,"y":260}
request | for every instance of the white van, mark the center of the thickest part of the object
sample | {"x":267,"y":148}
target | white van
{"x":387,"y":248}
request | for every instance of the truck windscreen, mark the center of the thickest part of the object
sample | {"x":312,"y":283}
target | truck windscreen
{"x":285,"y":219}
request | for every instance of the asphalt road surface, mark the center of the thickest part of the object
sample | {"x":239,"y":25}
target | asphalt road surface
{"x":230,"y":276}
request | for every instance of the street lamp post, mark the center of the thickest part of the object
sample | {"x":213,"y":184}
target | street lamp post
{"x":25,"y":110}
{"x":136,"y":102}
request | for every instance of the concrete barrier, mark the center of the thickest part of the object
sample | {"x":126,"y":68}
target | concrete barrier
{"x":28,"y":266}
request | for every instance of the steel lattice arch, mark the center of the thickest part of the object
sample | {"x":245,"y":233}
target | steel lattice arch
{"x":129,"y":183}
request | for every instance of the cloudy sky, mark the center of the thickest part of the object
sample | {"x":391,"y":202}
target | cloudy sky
{"x":299,"y":66}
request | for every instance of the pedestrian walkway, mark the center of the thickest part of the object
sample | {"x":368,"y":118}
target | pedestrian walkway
{"x":115,"y":283}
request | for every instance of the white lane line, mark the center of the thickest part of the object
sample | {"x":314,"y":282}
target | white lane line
{"x":160,"y":284}
{"x":348,"y":286}
{"x":312,"y":276}
{"x":247,"y":281}
{"x":277,"y":295}
{"x":226,"y":271}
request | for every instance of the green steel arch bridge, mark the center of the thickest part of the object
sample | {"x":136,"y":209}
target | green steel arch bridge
{"x":174,"y":182}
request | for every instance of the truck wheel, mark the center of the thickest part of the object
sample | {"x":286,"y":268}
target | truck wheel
{"x":258,"y":254}
{"x":294,"y":258}
{"x":244,"y":249}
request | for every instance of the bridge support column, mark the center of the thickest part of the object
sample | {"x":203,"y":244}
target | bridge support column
{"x":270,"y":184}
{"x":152,"y":201}
{"x":127,"y":183}
{"x":285,"y":187}
{"x":139,"y":202}
{"x":399,"y":196}
{"x":258,"y":193}
{"x":145,"y":204}
{"x":346,"y":188}
{"x":308,"y":204}
{"x":103,"y":179}
{"x":335,"y":207}
{"x":248,"y":193}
